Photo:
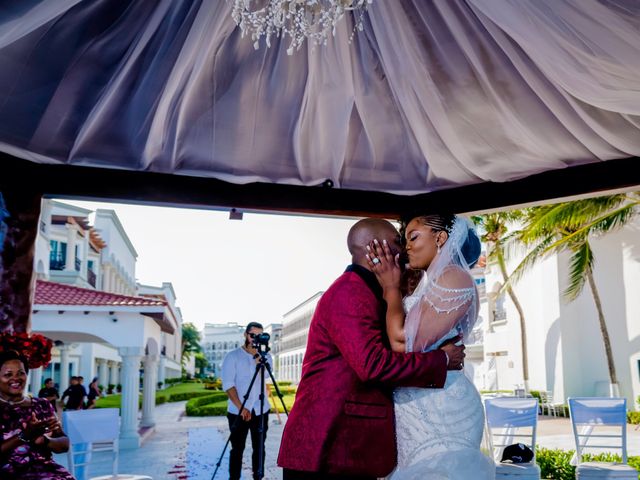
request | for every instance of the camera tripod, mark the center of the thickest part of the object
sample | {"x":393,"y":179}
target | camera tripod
{"x":261,"y":366}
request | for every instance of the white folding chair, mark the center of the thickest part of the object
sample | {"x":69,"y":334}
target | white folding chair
{"x":89,"y":431}
{"x":597,"y":418}
{"x":511,"y":420}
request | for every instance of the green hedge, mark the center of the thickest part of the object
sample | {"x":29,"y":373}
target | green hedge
{"x":207,"y":405}
{"x":633,"y":418}
{"x":178,"y":397}
{"x":554,"y":464}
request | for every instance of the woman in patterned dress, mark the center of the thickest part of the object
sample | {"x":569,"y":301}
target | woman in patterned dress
{"x":29,"y":429}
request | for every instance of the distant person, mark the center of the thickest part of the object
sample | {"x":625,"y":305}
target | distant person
{"x":94,"y":393}
{"x":29,"y":429}
{"x":238,"y":367}
{"x":75,"y":395}
{"x":49,"y":392}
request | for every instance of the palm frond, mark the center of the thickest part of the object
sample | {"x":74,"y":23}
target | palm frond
{"x":614,"y":219}
{"x":512,"y":246}
{"x":528,"y":262}
{"x":571,"y":216}
{"x":581,"y":262}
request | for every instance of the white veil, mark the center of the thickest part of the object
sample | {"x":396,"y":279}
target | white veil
{"x":436,"y":302}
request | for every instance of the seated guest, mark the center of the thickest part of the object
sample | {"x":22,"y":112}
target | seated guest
{"x":49,"y":392}
{"x":29,"y":429}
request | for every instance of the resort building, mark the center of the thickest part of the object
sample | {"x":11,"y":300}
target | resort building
{"x":102,"y":323}
{"x":565,"y":348}
{"x":217,"y":340}
{"x":293,"y":343}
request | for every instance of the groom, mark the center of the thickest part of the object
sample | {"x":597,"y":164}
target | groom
{"x":341,"y":425}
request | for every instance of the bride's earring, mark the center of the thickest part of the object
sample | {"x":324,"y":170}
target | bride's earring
{"x":439,"y":248}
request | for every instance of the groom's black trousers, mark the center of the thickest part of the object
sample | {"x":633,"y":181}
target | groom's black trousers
{"x":298,"y":475}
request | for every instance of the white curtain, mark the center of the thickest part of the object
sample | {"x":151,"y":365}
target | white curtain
{"x":432,"y":94}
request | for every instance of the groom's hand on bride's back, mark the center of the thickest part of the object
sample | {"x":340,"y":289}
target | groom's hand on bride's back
{"x":454,"y":349}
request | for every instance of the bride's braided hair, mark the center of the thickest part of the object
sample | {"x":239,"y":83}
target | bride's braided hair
{"x":437,"y":221}
{"x":471,"y":249}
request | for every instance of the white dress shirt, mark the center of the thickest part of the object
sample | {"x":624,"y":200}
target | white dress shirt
{"x":238,"y":368}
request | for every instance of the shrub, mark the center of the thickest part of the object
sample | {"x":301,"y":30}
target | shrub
{"x":178,"y":397}
{"x":555,"y":463}
{"x":211,"y":404}
{"x":213,"y":385}
{"x":633,"y":418}
{"x":213,"y":409}
{"x":171,"y":381}
{"x":110,"y":388}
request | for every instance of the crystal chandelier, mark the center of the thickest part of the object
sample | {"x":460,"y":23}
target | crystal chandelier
{"x":313,"y":20}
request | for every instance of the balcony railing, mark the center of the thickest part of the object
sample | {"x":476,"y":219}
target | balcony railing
{"x":91,"y":278}
{"x":57,"y":261}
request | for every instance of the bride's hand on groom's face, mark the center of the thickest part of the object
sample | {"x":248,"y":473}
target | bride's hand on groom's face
{"x":384,"y":264}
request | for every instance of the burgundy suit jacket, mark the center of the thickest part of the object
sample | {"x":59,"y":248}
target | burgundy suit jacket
{"x":342,"y":420}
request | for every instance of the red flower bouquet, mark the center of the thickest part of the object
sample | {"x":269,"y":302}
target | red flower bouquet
{"x":35,"y":347}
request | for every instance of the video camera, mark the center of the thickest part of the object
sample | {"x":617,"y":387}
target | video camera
{"x":260,"y":341}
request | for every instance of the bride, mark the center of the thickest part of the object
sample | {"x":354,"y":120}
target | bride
{"x":438,"y":431}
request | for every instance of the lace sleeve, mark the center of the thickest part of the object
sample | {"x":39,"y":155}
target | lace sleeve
{"x":442,"y":310}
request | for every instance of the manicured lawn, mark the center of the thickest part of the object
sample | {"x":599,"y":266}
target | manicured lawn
{"x":162,"y":396}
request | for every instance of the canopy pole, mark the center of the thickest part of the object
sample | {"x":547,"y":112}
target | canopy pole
{"x":19,"y":220}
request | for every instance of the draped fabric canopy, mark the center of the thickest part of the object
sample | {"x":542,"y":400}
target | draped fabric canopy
{"x":430,"y":95}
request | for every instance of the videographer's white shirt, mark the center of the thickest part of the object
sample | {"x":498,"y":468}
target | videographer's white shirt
{"x":238,"y":368}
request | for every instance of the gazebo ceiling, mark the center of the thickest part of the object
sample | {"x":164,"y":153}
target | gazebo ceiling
{"x":452,"y":100}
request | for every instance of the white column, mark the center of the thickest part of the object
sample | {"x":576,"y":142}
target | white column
{"x":36,"y":380}
{"x":106,"y":278}
{"x":149,"y":391}
{"x":113,"y":374}
{"x":85,"y":255}
{"x":129,"y":437}
{"x":162,"y":370}
{"x":64,"y":367}
{"x":103,"y":372}
{"x":71,"y":248}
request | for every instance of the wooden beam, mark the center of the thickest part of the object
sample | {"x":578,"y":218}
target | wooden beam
{"x":186,"y":191}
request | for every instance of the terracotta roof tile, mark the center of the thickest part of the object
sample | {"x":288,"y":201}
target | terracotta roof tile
{"x":51,"y":293}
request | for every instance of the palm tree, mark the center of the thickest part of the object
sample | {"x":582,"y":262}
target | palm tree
{"x":569,"y":226}
{"x":495,"y":228}
{"x":190,"y":342}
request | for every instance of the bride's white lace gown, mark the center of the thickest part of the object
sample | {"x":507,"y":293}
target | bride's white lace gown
{"x":439,"y":431}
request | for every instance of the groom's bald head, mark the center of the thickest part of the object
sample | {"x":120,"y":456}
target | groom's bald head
{"x":364,"y":231}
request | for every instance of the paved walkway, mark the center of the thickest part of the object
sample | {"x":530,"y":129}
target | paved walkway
{"x":188,"y":447}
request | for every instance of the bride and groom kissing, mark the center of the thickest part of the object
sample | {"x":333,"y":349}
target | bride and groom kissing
{"x":382,"y":390}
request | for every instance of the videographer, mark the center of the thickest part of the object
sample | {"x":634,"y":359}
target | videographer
{"x":238,"y":367}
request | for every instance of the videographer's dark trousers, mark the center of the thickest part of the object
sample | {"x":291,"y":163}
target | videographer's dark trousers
{"x":238,"y":440}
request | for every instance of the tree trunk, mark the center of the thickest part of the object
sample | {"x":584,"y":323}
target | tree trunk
{"x":516,"y":303}
{"x":613,"y":378}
